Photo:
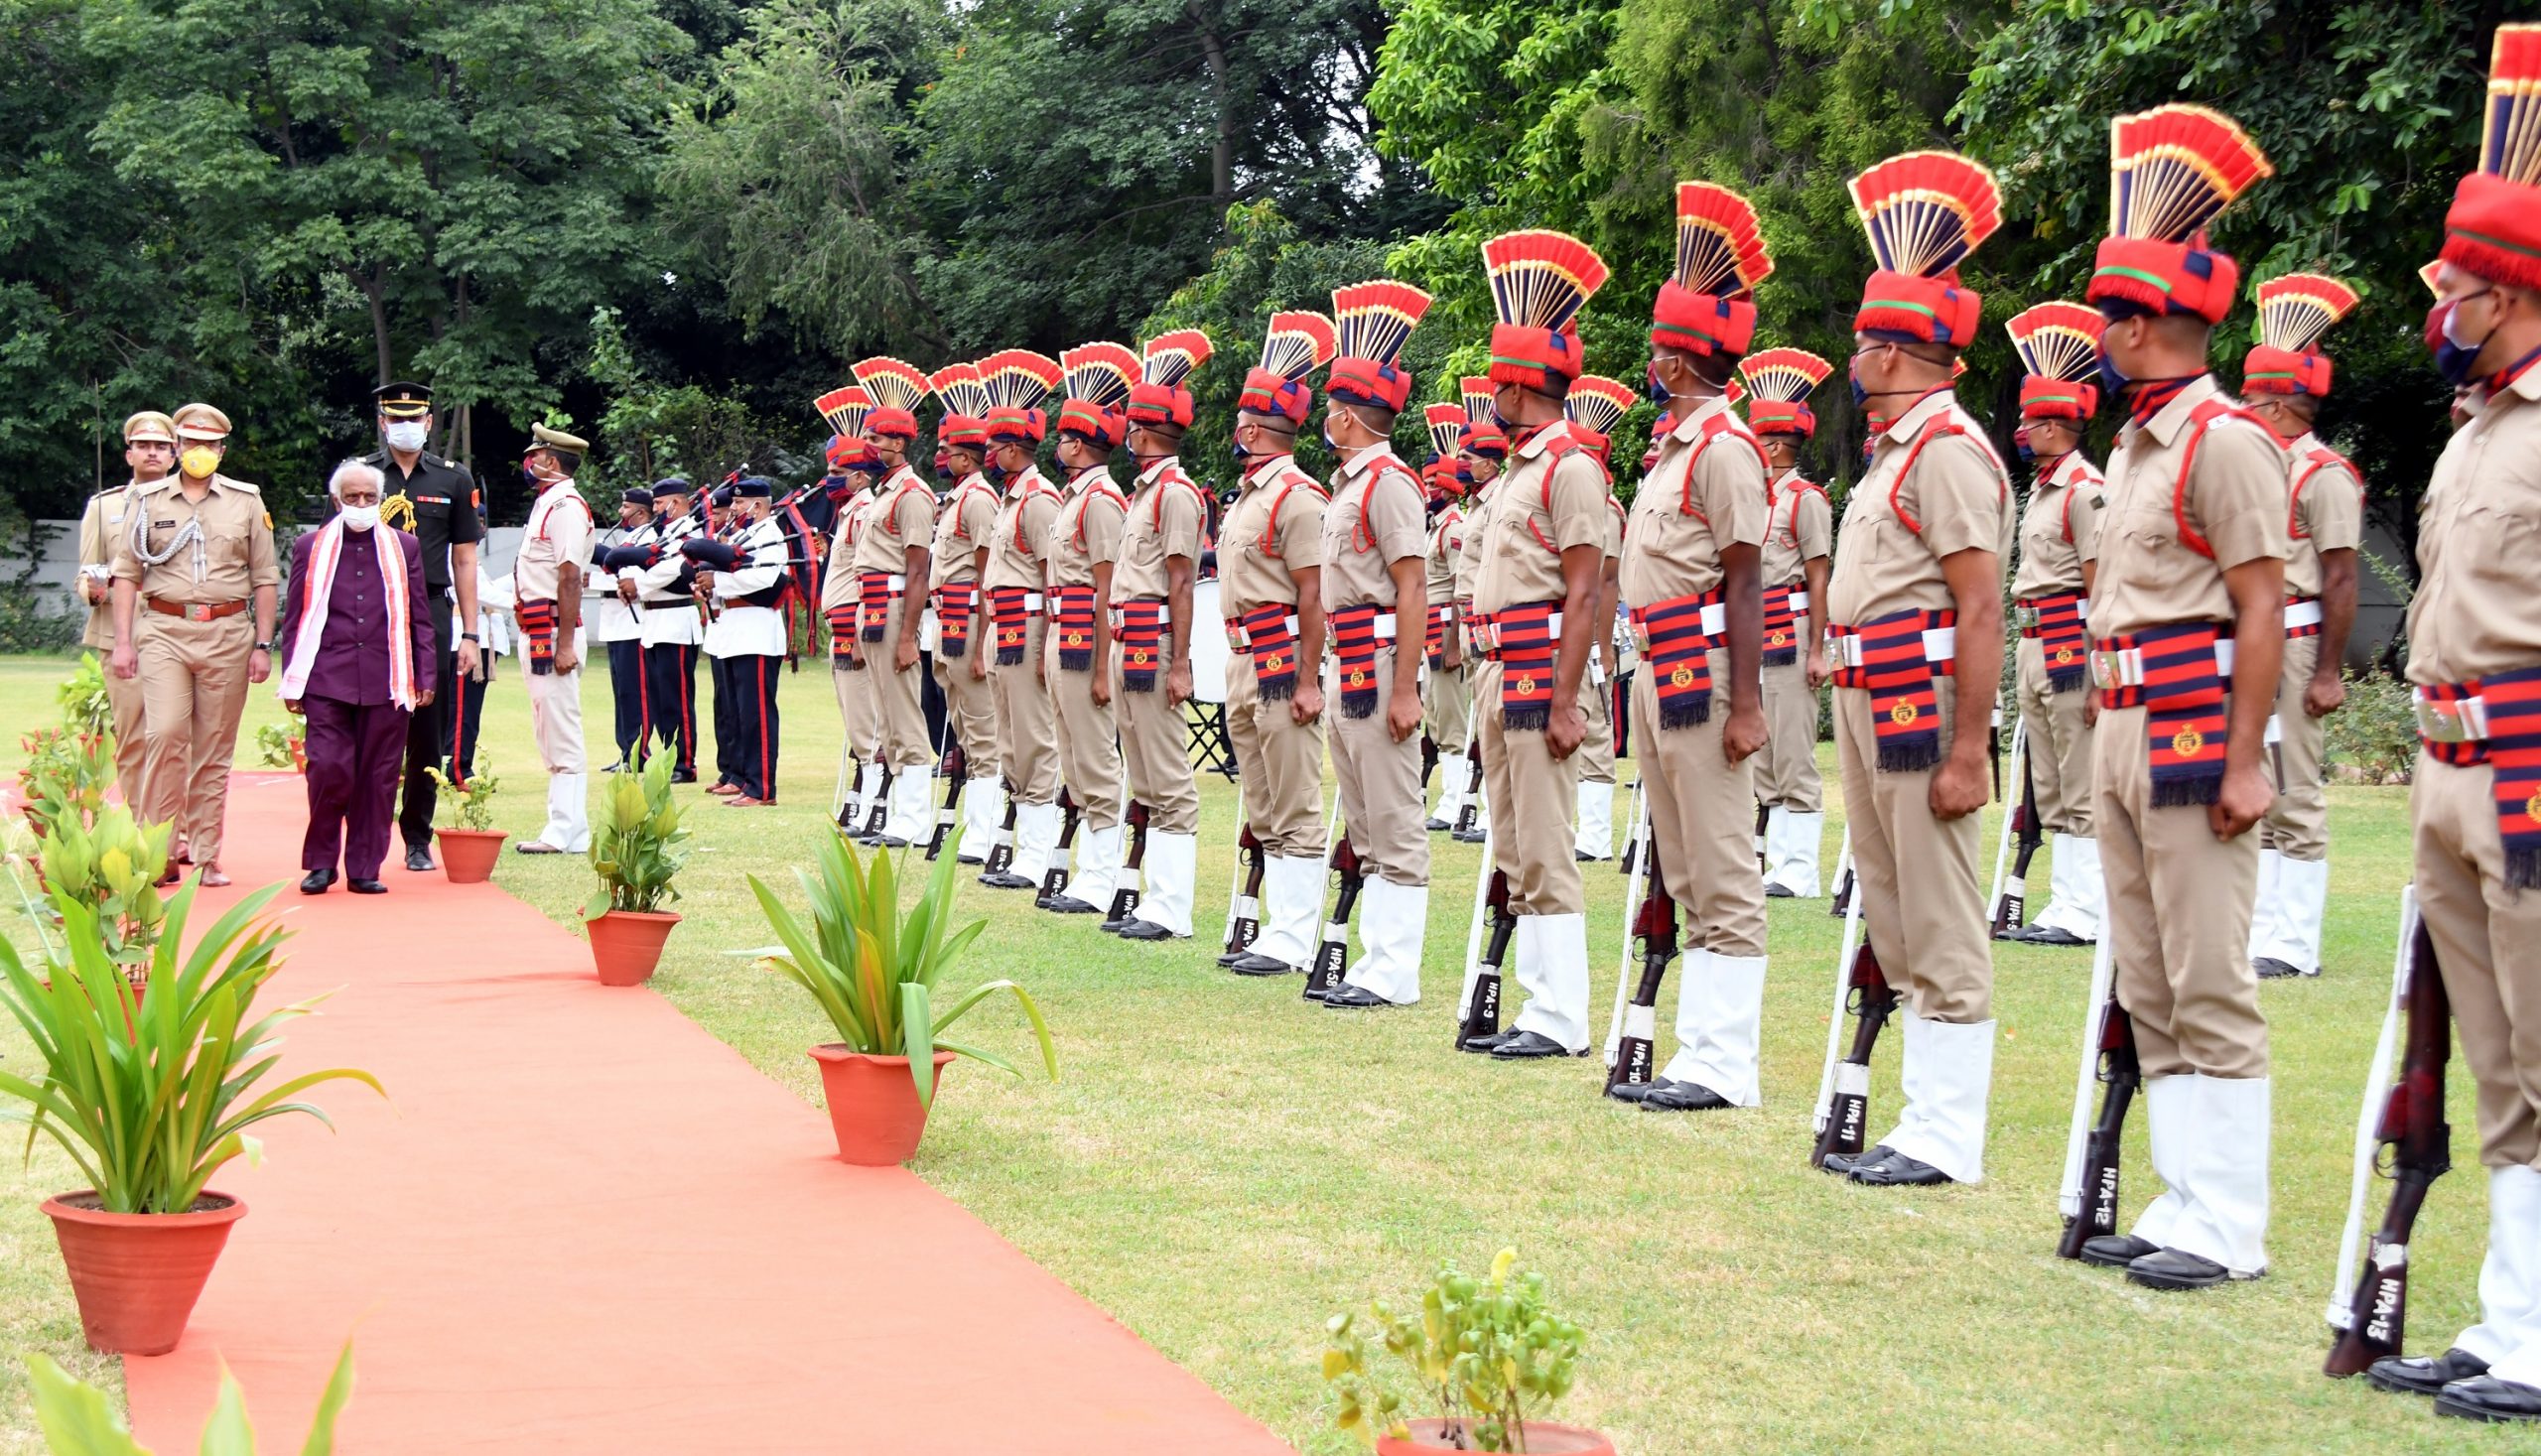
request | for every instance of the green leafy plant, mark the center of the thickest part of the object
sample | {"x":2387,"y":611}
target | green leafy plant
{"x":876,"y":971}
{"x":66,"y":776}
{"x":85,"y":708}
{"x":274,"y":742}
{"x":471,"y":803}
{"x":635,"y":846}
{"x":2374,"y":733}
{"x":152,"y":1095}
{"x":114,"y":867}
{"x":1484,"y":1352}
{"x":79,"y":1419}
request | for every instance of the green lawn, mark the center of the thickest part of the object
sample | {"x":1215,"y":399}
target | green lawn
{"x":1223,"y":1165}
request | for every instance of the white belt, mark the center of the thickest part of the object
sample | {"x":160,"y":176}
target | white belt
{"x":1031,"y":602}
{"x":1799,"y":601}
{"x":2302,"y":615}
{"x":2125,"y":668}
{"x":1941,"y":644}
{"x":2463,"y":721}
{"x":1384,"y":627}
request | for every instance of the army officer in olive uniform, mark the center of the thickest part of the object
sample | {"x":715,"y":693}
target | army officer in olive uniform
{"x":437,"y":501}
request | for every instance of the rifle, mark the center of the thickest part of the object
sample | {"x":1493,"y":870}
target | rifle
{"x":1244,"y":910}
{"x":1332,"y":955}
{"x":1429,"y":761}
{"x":1635,"y":842}
{"x":1125,"y":898}
{"x":843,"y":793}
{"x":1843,"y":1089}
{"x":1994,"y":744}
{"x":1654,"y":935}
{"x":1470,"y":813}
{"x":878,"y":813}
{"x":2011,"y":895}
{"x":1841,"y":903}
{"x":2371,"y":1321}
{"x":2275,"y":740}
{"x":2089,"y":1197}
{"x":955,"y":768}
{"x":1764,"y":821}
{"x":1054,"y":881}
{"x":1478,"y":1014}
{"x":1000,"y":857}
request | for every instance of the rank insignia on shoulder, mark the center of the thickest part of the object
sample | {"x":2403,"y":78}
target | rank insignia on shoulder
{"x":269,"y":520}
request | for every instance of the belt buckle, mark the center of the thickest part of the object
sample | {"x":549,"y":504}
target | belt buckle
{"x":1640,"y":636}
{"x":2109,"y":667}
{"x":197,"y":612}
{"x":2463,"y":720}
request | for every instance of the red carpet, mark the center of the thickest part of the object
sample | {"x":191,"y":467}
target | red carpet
{"x":585,"y":1225}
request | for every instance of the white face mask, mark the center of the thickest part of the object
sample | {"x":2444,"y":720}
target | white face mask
{"x":359,"y":517}
{"x":407,"y":435}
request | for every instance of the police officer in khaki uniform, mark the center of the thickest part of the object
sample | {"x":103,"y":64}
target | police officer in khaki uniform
{"x":1914,"y":625}
{"x":2284,"y":379}
{"x":1270,"y":573}
{"x":195,"y":580}
{"x":1082,"y":560}
{"x":1482,"y":450}
{"x":1028,"y":730}
{"x":1160,"y":555}
{"x":842,"y":607}
{"x":965,"y":533}
{"x":150,"y":449}
{"x":2192,"y":553}
{"x":2051,"y":593}
{"x":1693,"y":589}
{"x":547,"y":602}
{"x":1800,"y":543}
{"x":891,"y":564}
{"x":1446,"y":697}
{"x":1535,"y":600}
{"x":2474,"y":635}
{"x":1594,"y":822}
{"x":1375,"y":564}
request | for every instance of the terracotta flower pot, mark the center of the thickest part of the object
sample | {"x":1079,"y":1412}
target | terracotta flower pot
{"x":628,"y":944}
{"x":299,"y":755}
{"x":137,"y":1276}
{"x":1543,"y":1438}
{"x":469,"y":856}
{"x":874,"y":1106}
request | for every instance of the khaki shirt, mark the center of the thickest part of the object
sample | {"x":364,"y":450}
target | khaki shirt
{"x":101,"y":526}
{"x":558,"y":530}
{"x":2234,"y":498}
{"x":902,"y":515}
{"x":1468,"y":561}
{"x":1377,"y":518}
{"x":1275,"y":527}
{"x":1956,"y":493}
{"x":1086,"y":530}
{"x":1706,"y":491}
{"x":1165,"y":513}
{"x":1446,"y":543}
{"x":838,"y":587}
{"x":2328,"y":512}
{"x":1022,"y":532}
{"x":963,"y":522}
{"x":1517,"y":568}
{"x":2059,"y":529}
{"x":236,"y":536}
{"x":2478,"y":534}
{"x":1799,"y":527}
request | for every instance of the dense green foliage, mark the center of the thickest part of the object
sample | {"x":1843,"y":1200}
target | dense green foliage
{"x":670,"y":222}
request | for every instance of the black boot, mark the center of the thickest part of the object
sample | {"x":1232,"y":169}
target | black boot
{"x":2419,"y":1375}
{"x":2486,"y":1397}
{"x":316,"y":881}
{"x":2177,"y":1268}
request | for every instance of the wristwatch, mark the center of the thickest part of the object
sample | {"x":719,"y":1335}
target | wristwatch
{"x":264,"y":646}
{"x":468,"y":636}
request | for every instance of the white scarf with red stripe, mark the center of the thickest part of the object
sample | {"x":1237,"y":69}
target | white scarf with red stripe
{"x":324,"y":554}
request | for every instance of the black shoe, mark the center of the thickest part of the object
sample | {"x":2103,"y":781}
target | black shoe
{"x":1115,"y":927}
{"x":1777,"y":892}
{"x":969,"y":858}
{"x":1147,"y":930}
{"x":365,"y":886}
{"x":1897,"y":1170}
{"x":2117,"y":1251}
{"x":316,"y":881}
{"x":2047,"y":935}
{"x":1229,"y":957}
{"x":2271,"y":969}
{"x":419,"y":859}
{"x":1841,"y":1164}
{"x":683,"y":775}
{"x":1348,"y":998}
{"x":1071,"y":905}
{"x":1485,"y":1045}
{"x":1252,"y":964}
{"x":885,"y":841}
{"x":1528,"y":1045}
{"x":1435,"y":826}
{"x":2419,"y":1375}
{"x":618,"y":768}
{"x":2486,"y":1397}
{"x":869,"y":841}
{"x":1637,"y":1090}
{"x":1684,"y":1097}
{"x":1008,"y":879}
{"x":1584,"y":858}
{"x":1472,"y":837}
{"x":2176,"y":1269}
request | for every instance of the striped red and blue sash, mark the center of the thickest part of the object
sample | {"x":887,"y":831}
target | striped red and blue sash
{"x":1142,"y":643}
{"x":2511,"y":706}
{"x":1075,"y":618}
{"x":2185,"y":721}
{"x":1273,"y":644}
{"x":1523,"y":643}
{"x":1011,"y":609}
{"x":1680,"y":657}
{"x":954,"y":603}
{"x":537,"y":621}
{"x":2055,"y":622}
{"x":1354,"y":644}
{"x":1900,"y":674}
{"x":1782,"y":626}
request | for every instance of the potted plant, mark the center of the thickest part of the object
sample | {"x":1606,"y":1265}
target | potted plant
{"x":114,"y":867}
{"x":86,"y":706}
{"x":1482,"y":1351}
{"x":635,"y":852}
{"x":150,"y":1102}
{"x":64,"y":777}
{"x":471,"y":845}
{"x":284,"y":745}
{"x":79,"y":1419}
{"x":874,"y":972}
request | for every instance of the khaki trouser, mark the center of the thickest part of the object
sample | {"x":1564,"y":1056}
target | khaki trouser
{"x":1027,"y":727}
{"x":2487,"y":938}
{"x":1596,"y":755}
{"x":2179,"y":917}
{"x":969,"y":706}
{"x":1921,"y":904}
{"x":1787,"y":766}
{"x":1701,"y":821}
{"x":193,"y":686}
{"x":2298,"y":821}
{"x":1156,"y":749}
{"x":1089,"y":745}
{"x":1532,"y":798}
{"x":556,"y":719}
{"x":856,"y":707}
{"x":893,"y":709}
{"x":1446,"y":700}
{"x":1384,"y":803}
{"x":1281,"y":761}
{"x":2059,"y":745}
{"x":132,"y":745}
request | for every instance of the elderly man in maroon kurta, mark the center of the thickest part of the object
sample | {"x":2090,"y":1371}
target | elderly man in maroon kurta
{"x":359,"y":660}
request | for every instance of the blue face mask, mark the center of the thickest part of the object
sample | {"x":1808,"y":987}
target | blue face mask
{"x":2455,"y":361}
{"x":2028,"y":455}
{"x":1236,"y":448}
{"x":1659,"y":394}
{"x":2113,"y":380}
{"x":1465,"y":476}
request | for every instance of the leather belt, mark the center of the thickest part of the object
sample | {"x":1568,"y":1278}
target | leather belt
{"x":197,"y":612}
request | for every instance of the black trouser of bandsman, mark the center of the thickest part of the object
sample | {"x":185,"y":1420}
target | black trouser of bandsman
{"x":748,"y":684}
{"x":670,"y":704}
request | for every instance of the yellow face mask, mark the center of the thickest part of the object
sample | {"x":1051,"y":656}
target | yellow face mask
{"x":199,"y":461}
